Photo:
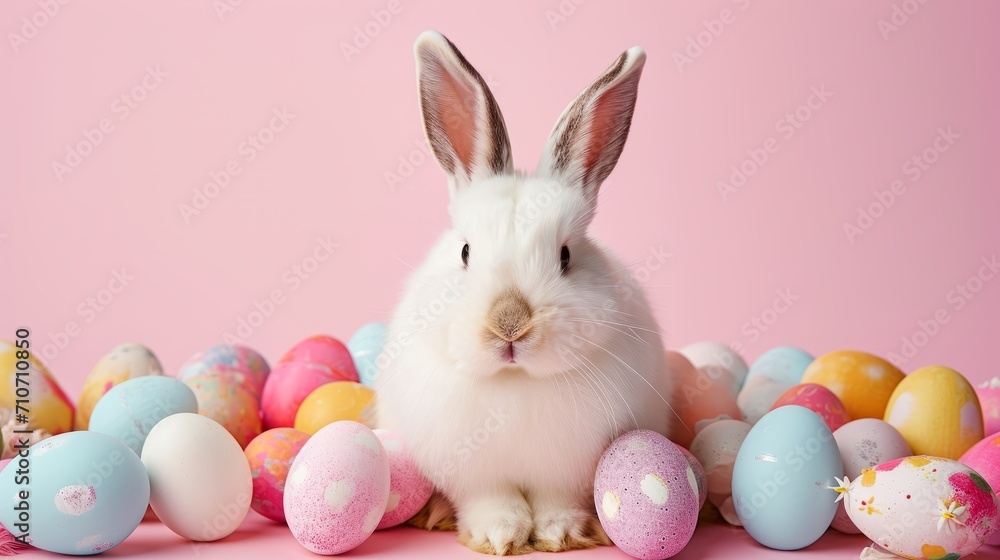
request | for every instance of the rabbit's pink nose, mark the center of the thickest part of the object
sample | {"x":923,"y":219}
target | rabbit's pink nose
{"x":510,"y":316}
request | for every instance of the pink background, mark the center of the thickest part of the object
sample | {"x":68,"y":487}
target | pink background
{"x":324,"y":174}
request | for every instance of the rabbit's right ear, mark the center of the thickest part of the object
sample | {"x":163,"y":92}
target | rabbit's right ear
{"x":463,"y":123}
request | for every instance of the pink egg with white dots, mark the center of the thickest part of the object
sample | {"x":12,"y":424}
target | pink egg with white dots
{"x":646,"y":495}
{"x":337,"y":489}
{"x":409,"y":489}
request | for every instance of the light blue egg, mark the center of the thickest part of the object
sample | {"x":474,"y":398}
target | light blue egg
{"x":781,"y":478}
{"x":784,"y":364}
{"x":130,"y":410}
{"x":365,"y":346}
{"x":86,"y":492}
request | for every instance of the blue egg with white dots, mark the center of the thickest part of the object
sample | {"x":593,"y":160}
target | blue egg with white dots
{"x":784,"y":364}
{"x":365,"y":346}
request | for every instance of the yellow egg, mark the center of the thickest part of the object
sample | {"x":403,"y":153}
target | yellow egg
{"x":122,"y":363}
{"x":332,"y":402}
{"x":48,"y":407}
{"x":861,"y":381}
{"x":937,"y":412}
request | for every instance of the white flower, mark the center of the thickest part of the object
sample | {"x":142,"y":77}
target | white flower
{"x":950,"y":512}
{"x":843,"y":486}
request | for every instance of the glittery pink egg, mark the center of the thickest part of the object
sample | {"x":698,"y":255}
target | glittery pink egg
{"x":818,"y":399}
{"x":287,"y":386}
{"x":699,"y":475}
{"x":337,"y":489}
{"x":646,"y":495}
{"x":984,"y":458}
{"x":409,"y":490}
{"x":270,"y":455}
{"x":327,"y":351}
{"x":989,"y":399}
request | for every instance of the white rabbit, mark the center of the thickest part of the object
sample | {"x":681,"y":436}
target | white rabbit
{"x":521,"y":347}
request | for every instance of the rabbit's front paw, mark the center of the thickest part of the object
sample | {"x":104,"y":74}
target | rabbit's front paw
{"x":558,"y":528}
{"x":499,"y":525}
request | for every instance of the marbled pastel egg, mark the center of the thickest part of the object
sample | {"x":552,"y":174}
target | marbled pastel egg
{"x":818,"y":399}
{"x":333,"y":402}
{"x":337,"y":489}
{"x":287,"y":386}
{"x":989,"y":400}
{"x":699,"y":475}
{"x":327,"y":351}
{"x":646,"y":495}
{"x":51,"y":410}
{"x":719,"y":361}
{"x":758,"y":396}
{"x":270,"y":456}
{"x":864,"y":444}
{"x":123,"y":362}
{"x":365,"y":345}
{"x":130,"y":410}
{"x":698,"y":397}
{"x":716,"y":447}
{"x":87,"y":493}
{"x":861,"y":381}
{"x":937,"y":412}
{"x":409,"y":489}
{"x":784,"y":364}
{"x":237,"y":364}
{"x":229,"y":404}
{"x":923,"y":507}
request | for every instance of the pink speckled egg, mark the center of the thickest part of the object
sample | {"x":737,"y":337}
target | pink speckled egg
{"x":646,"y":495}
{"x":270,"y":455}
{"x":337,"y":489}
{"x":700,"y":395}
{"x":984,"y":458}
{"x":287,"y":386}
{"x":699,"y":475}
{"x":409,"y":489}
{"x":818,"y":399}
{"x":327,"y":351}
{"x":229,"y":404}
{"x":863,"y":444}
{"x":989,"y":399}
{"x":238,"y":364}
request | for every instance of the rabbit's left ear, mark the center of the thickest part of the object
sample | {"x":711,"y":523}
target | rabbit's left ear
{"x":463,"y":123}
{"x":589,"y":137}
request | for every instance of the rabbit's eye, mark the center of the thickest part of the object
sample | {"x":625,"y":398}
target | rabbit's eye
{"x":465,"y":255}
{"x":564,"y":258}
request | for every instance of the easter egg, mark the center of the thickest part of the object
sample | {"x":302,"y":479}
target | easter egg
{"x":332,"y":402}
{"x":698,"y":397}
{"x":229,"y":404}
{"x":861,"y":381}
{"x":87,"y":493}
{"x":646,"y":495}
{"x":51,"y":410}
{"x":758,"y":396}
{"x":239,"y":365}
{"x":199,"y":478}
{"x":365,"y":346}
{"x":130,"y":409}
{"x":123,"y":362}
{"x":337,"y":489}
{"x":937,"y":412}
{"x":989,"y":400}
{"x":716,"y":447}
{"x":327,"y":351}
{"x":784,"y":364}
{"x":818,"y":399}
{"x":270,"y":456}
{"x":719,"y":362}
{"x":699,"y":475}
{"x":922,"y":507}
{"x":287,"y":386}
{"x":863,"y":444}
{"x":409,"y":489}
{"x":984,"y":458}
{"x":781,"y":476}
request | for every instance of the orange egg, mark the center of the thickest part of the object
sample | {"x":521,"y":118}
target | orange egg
{"x":698,"y":396}
{"x":861,"y":381}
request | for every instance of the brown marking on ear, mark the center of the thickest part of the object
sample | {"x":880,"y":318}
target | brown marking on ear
{"x":510,"y":316}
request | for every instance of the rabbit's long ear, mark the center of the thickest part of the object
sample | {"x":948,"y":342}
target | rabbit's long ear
{"x":463,"y":123}
{"x":588,"y":138}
